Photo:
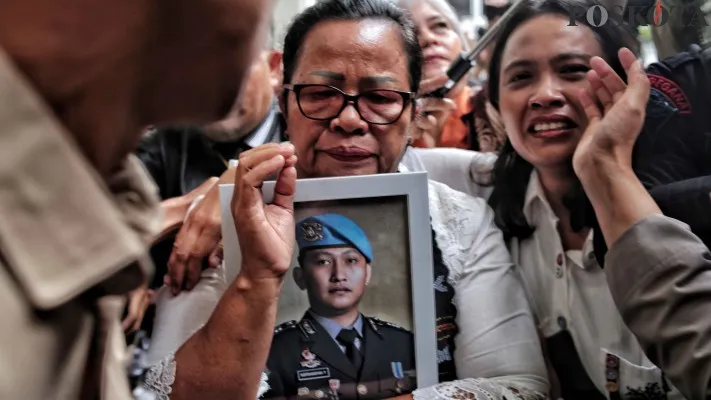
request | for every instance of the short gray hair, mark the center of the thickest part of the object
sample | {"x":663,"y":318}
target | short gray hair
{"x":447,"y":11}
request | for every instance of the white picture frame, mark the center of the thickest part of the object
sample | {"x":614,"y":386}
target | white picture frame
{"x":412,"y":186}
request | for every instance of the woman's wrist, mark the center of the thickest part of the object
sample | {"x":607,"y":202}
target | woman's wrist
{"x":617,"y":195}
{"x":600,"y":169}
{"x":261,"y":287}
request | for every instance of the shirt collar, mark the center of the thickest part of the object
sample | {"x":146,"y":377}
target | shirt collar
{"x":262,"y":133}
{"x":535,"y":194}
{"x":65,"y":229}
{"x":334,"y":328}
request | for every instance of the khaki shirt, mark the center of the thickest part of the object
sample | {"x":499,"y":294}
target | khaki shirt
{"x":71,"y":247}
{"x":660,"y":278}
{"x":569,"y":295}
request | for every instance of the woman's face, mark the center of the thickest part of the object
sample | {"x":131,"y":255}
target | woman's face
{"x":438,"y":39}
{"x":355,"y":57}
{"x":542,"y":72}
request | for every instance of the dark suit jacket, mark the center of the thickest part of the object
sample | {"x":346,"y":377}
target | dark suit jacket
{"x":332,"y":375}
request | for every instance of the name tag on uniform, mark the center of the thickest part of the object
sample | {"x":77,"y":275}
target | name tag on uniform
{"x":314,"y":373}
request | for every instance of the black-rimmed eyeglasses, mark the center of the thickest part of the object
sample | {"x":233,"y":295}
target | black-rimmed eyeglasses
{"x":324,"y":102}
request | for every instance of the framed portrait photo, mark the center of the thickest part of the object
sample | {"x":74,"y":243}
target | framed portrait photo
{"x":356,"y":315}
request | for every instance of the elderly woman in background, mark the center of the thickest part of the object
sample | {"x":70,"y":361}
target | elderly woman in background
{"x":344,"y":119}
{"x":441,"y":37}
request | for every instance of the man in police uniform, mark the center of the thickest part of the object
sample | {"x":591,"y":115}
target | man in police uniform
{"x":335,"y":352}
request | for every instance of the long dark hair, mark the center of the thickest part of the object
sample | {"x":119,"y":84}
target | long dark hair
{"x":511,"y":172}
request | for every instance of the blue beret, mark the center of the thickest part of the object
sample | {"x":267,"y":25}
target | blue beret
{"x":331,"y":230}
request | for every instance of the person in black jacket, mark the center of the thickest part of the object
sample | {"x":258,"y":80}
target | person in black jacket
{"x":672,"y":156}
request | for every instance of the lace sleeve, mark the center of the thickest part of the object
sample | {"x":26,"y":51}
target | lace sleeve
{"x":487,"y":285}
{"x":475,"y":389}
{"x":160,"y":378}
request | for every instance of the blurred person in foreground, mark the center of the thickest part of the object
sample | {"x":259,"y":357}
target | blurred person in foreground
{"x":188,"y":162}
{"x":77,"y":83}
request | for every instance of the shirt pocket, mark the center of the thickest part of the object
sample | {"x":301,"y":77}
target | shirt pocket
{"x":628,"y":380}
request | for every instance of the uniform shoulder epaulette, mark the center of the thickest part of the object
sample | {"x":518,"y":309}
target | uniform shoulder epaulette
{"x":380,"y":322}
{"x":286,"y":326}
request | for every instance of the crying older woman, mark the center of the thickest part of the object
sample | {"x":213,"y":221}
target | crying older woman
{"x":351,"y":70}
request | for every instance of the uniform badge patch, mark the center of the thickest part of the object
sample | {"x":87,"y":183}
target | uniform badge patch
{"x":312,"y":231}
{"x":311,"y":374}
{"x":334,"y":384}
{"x":310,"y":360}
{"x":307,"y":328}
{"x":672,"y":92}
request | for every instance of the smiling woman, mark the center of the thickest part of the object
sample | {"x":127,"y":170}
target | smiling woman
{"x":539,"y":68}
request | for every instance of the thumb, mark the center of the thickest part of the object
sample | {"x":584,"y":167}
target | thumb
{"x":285,"y":188}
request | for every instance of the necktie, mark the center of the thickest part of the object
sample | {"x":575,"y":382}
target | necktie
{"x":347,"y":338}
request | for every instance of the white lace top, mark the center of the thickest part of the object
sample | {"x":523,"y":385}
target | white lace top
{"x":497,"y":349}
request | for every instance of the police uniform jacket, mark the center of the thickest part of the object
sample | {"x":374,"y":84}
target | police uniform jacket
{"x":306,"y":363}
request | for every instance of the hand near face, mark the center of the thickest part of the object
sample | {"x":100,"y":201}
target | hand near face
{"x":615,"y":112}
{"x":432,"y":113}
{"x":265,"y":231}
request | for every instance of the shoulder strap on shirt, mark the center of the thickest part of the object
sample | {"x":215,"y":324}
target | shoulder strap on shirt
{"x":286,"y":326}
{"x":377,"y":323}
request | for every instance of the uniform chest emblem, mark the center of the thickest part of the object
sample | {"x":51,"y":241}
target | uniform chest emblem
{"x":309,"y":359}
{"x":312,"y":231}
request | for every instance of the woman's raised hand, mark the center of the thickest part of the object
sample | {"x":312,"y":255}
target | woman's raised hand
{"x":615,"y":113}
{"x":265,"y":231}
{"x":432,"y":112}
